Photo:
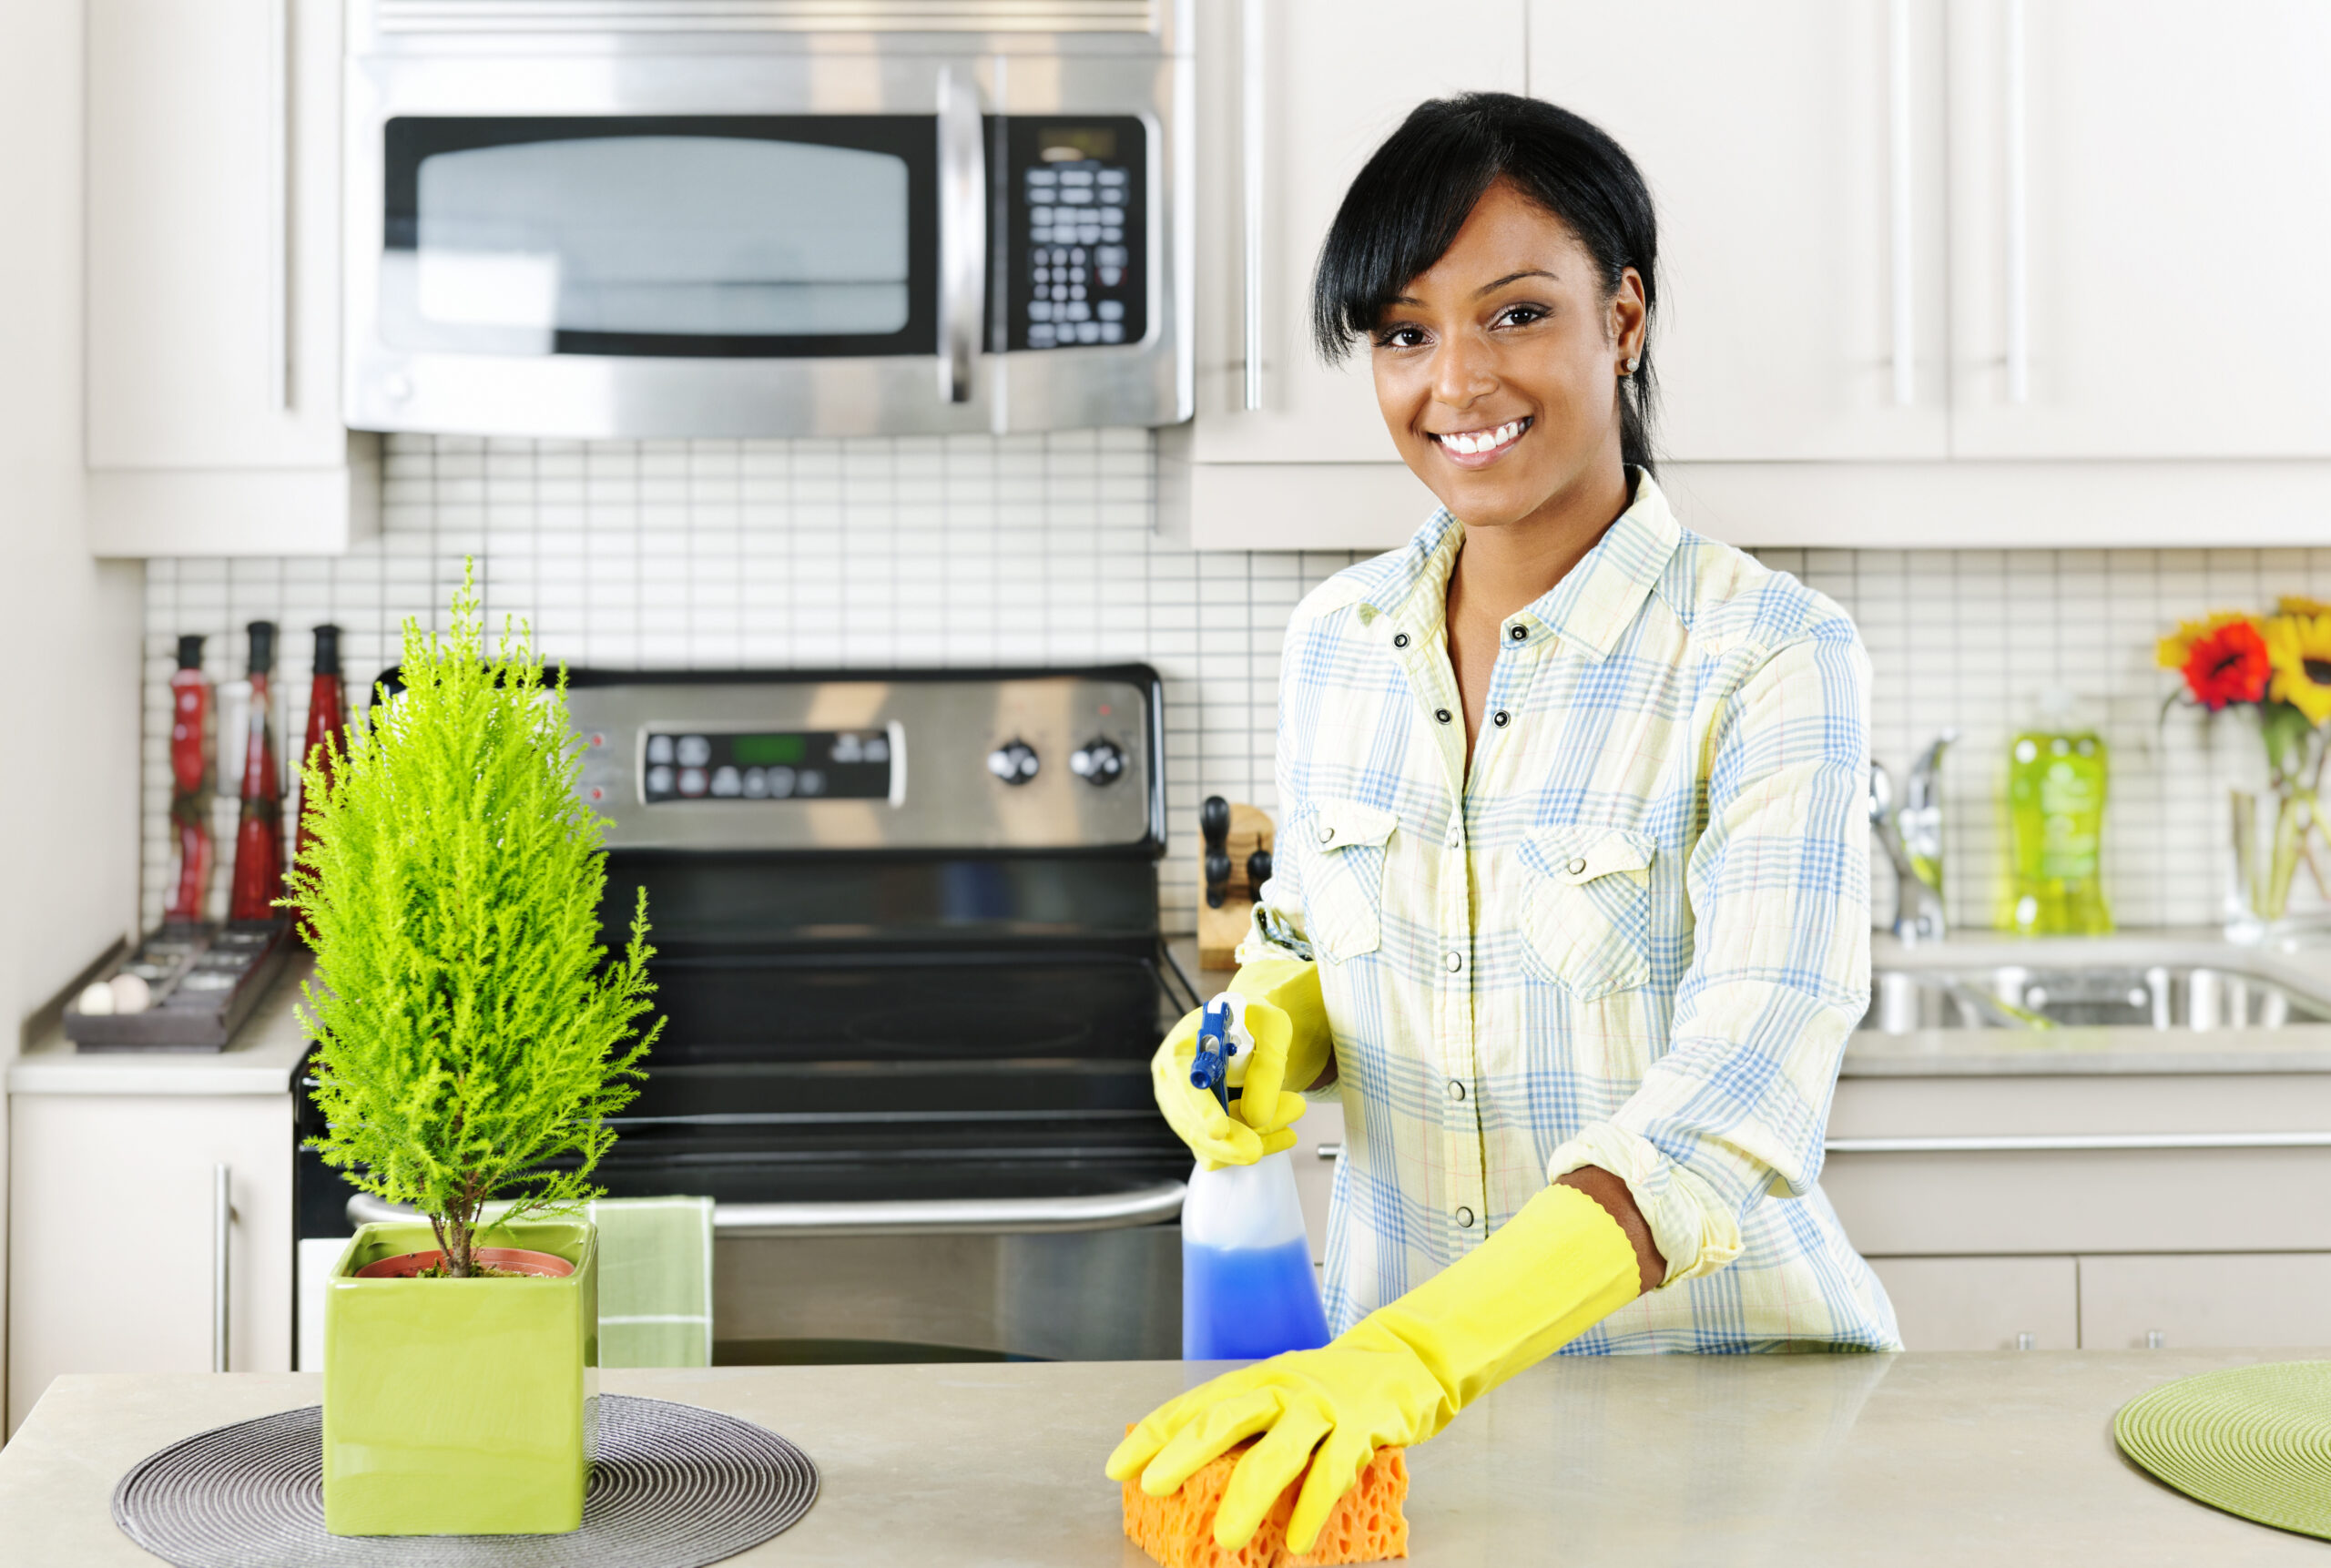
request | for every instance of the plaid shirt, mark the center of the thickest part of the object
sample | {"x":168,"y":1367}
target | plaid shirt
{"x":1636,"y":937}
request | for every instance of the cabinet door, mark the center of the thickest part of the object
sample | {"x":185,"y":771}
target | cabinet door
{"x":1338,"y":75}
{"x":2206,"y":1300}
{"x":1795,"y":149}
{"x":1983,"y":1303}
{"x":111,"y":1231}
{"x":213,"y":235}
{"x":2141,"y":198}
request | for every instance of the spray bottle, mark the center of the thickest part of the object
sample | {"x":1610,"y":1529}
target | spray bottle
{"x":1247,"y":1287}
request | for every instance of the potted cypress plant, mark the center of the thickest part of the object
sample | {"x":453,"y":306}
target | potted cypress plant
{"x":472,"y":1037}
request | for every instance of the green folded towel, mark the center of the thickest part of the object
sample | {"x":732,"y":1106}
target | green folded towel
{"x":655,"y":1281}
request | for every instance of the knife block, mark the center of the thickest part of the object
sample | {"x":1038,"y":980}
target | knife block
{"x":1222,"y":929}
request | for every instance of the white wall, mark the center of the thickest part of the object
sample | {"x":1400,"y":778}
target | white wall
{"x":68,"y":625}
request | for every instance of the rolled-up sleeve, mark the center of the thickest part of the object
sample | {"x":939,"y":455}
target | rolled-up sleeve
{"x":1778,"y":883}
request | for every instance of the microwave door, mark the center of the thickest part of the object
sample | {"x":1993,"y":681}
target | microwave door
{"x":629,"y":275}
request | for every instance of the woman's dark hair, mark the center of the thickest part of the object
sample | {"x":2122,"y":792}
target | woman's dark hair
{"x":1403,"y":212}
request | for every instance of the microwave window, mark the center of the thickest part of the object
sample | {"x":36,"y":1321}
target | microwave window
{"x":703,"y":237}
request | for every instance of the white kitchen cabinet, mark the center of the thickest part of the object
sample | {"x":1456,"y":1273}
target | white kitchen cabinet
{"x":1311,"y":462}
{"x":111,"y":1235}
{"x":2141,"y":192}
{"x":213,"y":271}
{"x":1983,"y":1303}
{"x":1795,"y":149}
{"x":1982,"y":272}
{"x":2208,"y":1301}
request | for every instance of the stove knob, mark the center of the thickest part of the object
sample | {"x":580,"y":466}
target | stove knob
{"x":1097,"y":761}
{"x":1015,"y":761}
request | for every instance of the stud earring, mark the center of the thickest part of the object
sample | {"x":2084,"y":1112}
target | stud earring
{"x":1632,"y":363}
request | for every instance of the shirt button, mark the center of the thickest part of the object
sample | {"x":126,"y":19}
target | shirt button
{"x":1456,"y":1090}
{"x":1400,"y":640}
{"x":1454,"y":961}
{"x":1576,"y":865}
{"x":1328,"y":835}
{"x":1442,"y":714}
{"x":1464,"y":1219}
{"x":1500,"y":718}
{"x":1519,"y":634}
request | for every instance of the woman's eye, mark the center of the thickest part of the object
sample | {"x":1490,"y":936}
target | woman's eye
{"x":1401,"y":338}
{"x":1521,"y":316}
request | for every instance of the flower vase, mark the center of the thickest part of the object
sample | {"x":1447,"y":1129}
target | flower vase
{"x":2282,"y":857}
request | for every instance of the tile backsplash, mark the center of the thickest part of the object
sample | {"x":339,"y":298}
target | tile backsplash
{"x":1042,"y":550}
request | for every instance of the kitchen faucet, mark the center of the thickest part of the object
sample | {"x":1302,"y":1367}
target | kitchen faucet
{"x":1911,"y":831}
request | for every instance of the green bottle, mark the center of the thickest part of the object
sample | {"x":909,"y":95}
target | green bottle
{"x":2055,"y":790}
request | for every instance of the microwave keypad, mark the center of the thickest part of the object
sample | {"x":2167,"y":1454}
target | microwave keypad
{"x":1077,"y":277}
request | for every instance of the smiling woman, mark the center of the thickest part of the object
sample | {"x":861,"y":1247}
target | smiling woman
{"x":1582,"y":965}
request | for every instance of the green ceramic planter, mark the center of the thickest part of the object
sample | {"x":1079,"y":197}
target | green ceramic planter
{"x":460,"y":1407}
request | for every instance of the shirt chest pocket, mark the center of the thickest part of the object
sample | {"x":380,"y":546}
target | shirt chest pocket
{"x":1588,"y":914}
{"x":1343,"y":875}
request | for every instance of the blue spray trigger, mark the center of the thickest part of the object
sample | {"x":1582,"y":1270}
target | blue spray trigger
{"x":1210,"y":1063}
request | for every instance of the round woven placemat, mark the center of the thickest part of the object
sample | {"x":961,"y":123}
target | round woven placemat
{"x":2255,"y":1441}
{"x":674,"y":1487}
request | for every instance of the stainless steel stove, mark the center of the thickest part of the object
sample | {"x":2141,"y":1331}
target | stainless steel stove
{"x":907,"y":941}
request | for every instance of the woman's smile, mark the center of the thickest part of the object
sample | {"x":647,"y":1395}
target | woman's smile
{"x":1480,"y":447}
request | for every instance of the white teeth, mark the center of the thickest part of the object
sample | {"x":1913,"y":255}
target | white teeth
{"x":1482,"y":441}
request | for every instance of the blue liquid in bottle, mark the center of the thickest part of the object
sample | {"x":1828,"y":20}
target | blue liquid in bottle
{"x":1241,"y":1304}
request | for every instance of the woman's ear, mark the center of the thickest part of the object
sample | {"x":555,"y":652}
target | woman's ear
{"x":1627,"y":320}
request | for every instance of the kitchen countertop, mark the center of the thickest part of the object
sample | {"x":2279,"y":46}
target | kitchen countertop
{"x":1809,"y":1460}
{"x":260,"y":1060}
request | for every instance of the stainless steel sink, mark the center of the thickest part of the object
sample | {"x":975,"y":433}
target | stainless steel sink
{"x":2018,"y":996}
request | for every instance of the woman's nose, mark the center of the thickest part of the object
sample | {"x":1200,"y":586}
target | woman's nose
{"x":1463,"y":368}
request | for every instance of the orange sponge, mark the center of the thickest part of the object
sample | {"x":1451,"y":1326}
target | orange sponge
{"x":1366,"y":1525}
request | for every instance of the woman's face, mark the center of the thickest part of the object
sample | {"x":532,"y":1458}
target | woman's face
{"x":1497,"y":369}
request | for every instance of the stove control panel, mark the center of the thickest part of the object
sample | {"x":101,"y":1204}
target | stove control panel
{"x":767,"y":765}
{"x":929,"y":761}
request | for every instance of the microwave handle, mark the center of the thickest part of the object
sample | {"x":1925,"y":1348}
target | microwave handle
{"x":962,"y":233}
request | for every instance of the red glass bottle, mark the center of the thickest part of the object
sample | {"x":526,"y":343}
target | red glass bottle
{"x":191,"y":782}
{"x":259,"y":835}
{"x":327,"y":727}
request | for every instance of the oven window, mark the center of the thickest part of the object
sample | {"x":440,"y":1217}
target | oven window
{"x":763,"y":236}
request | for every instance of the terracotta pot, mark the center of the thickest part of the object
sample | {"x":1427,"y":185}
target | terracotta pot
{"x":509,"y":1259}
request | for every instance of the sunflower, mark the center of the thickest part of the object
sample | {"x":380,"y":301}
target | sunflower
{"x":2300,"y":605}
{"x":2175,"y":650}
{"x":2300,"y":647}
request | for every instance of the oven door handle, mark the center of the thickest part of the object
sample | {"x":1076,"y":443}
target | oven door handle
{"x":962,"y":233}
{"x":933,"y":1216}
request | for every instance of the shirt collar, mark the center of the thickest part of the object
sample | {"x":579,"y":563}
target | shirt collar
{"x":1591,"y":606}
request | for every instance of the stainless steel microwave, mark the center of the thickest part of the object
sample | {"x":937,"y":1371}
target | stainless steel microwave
{"x":727,"y":217}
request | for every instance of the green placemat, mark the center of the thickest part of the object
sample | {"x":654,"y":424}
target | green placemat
{"x":2255,"y":1441}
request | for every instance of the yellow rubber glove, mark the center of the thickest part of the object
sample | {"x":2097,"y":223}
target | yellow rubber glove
{"x":1289,"y":1025}
{"x":1560,"y":1266}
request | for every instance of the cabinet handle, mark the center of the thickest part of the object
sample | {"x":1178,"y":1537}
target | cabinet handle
{"x":222,"y":1231}
{"x":1905,"y":334}
{"x":2016,"y":228}
{"x":2077,"y":1143}
{"x":279,"y":206}
{"x":1251,"y":126}
{"x":963,"y":234}
{"x":1332,"y":1151}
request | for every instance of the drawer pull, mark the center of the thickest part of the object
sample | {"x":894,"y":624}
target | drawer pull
{"x":2043,"y":1143}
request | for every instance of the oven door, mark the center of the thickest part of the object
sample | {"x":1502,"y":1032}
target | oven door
{"x":758,"y":240}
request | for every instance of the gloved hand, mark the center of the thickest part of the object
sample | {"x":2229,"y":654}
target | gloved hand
{"x":1402,"y":1373}
{"x":1288,"y":1022}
